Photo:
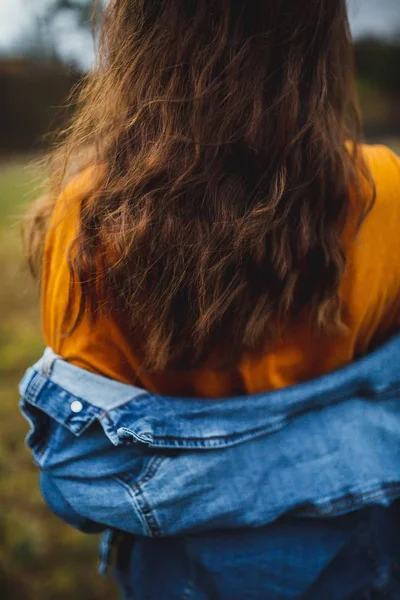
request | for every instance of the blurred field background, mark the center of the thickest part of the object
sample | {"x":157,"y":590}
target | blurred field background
{"x":40,"y":558}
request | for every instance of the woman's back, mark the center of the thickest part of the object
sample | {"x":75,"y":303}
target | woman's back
{"x":370,"y":292}
{"x":212,"y":240}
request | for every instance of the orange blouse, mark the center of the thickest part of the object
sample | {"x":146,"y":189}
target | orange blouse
{"x":370,"y":293}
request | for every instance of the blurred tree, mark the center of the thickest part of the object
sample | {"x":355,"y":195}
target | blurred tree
{"x":58,"y":29}
{"x":82,"y":8}
{"x":378,"y":63}
{"x":40,"y":42}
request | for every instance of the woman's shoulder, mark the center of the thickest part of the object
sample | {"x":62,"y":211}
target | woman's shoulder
{"x":384,"y":166}
{"x":376,"y":253}
{"x":383,"y":222}
{"x":65,"y":217}
{"x":380,"y":155}
{"x":79,"y":186}
{"x":371,"y":286}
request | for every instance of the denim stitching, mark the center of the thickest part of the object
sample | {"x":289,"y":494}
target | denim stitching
{"x":138,"y":510}
{"x":387,"y":492}
{"x":38,"y":381}
{"x":35,"y":386}
{"x":147,"y":512}
{"x":32,"y":397}
{"x":214,"y":441}
{"x":48,"y":364}
{"x":140,"y":496}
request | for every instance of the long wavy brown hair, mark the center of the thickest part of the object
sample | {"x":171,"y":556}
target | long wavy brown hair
{"x":226,"y":138}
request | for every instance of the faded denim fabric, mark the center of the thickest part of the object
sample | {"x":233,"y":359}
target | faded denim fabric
{"x":288,"y":494}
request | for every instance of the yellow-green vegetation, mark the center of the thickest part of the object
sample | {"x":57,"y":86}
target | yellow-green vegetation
{"x":40,"y":558}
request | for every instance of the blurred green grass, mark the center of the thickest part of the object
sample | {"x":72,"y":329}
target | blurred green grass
{"x":40,"y":558}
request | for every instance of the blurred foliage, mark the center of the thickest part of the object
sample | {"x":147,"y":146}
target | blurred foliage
{"x":40,"y":557}
{"x":40,"y":41}
{"x":378,"y":62}
{"x":32,"y":92}
{"x":378,"y":72}
{"x":31,"y":96}
{"x":82,"y":7}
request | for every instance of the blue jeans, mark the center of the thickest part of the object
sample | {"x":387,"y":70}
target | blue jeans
{"x":290,"y":559}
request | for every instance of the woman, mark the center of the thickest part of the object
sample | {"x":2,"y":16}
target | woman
{"x":221,"y":235}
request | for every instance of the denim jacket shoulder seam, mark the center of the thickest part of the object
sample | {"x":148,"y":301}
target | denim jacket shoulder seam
{"x":142,"y":502}
{"x":142,"y":508}
{"x":280,"y":422}
{"x":351,"y":500}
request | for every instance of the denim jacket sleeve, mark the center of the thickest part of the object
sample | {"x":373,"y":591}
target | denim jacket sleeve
{"x":81,"y":476}
{"x":156,"y":466}
{"x":225,"y":480}
{"x":62,"y":508}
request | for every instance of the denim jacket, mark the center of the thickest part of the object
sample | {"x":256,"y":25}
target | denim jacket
{"x":288,"y":494}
